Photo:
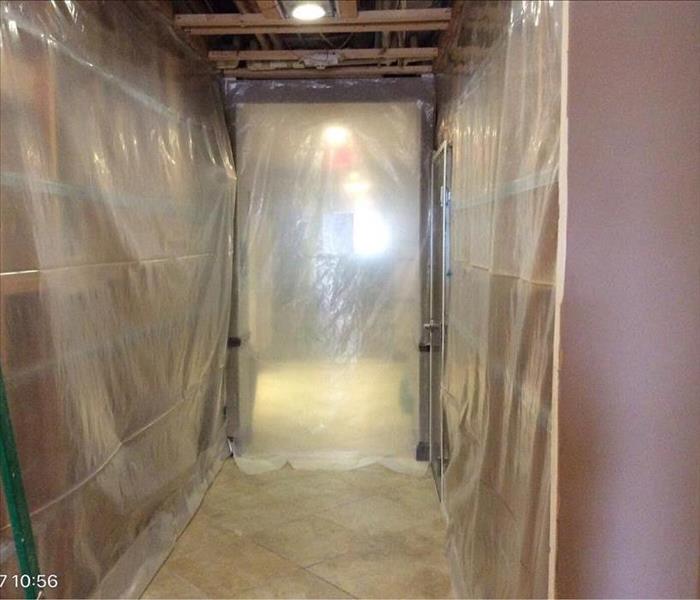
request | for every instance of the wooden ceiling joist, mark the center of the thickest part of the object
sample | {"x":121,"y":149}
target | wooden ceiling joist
{"x":268,"y":8}
{"x":427,"y":19}
{"x":365,"y":16}
{"x":345,"y":54}
{"x":329,"y":72}
{"x":347,"y":8}
{"x":319,"y":28}
{"x":448,"y":38}
{"x":296,"y":57}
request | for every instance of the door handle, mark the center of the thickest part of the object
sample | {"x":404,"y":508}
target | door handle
{"x":431,"y":325}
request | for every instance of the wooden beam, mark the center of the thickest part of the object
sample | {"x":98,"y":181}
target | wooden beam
{"x":345,"y":54}
{"x":450,"y":37}
{"x":330,"y":72}
{"x":347,"y":8}
{"x":320,"y":28}
{"x":269,"y":9}
{"x":365,"y":17}
{"x":242,"y":7}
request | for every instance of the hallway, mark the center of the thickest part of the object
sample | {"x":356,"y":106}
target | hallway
{"x":369,"y":533}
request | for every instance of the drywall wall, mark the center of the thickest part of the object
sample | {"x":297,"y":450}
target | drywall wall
{"x":629,"y":407}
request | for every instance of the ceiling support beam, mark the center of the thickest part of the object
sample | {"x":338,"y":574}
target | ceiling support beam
{"x":319,"y":28}
{"x":327,"y":73}
{"x":449,"y":37}
{"x":242,"y":8}
{"x":347,"y":8}
{"x":269,"y":9}
{"x":345,"y":54}
{"x":429,"y":16}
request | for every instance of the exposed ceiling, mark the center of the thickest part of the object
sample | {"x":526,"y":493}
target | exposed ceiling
{"x":259,"y":39}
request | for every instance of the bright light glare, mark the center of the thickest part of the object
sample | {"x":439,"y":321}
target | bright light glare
{"x":355,"y":185}
{"x":334,"y":135}
{"x":370,"y":233}
{"x":308,"y":11}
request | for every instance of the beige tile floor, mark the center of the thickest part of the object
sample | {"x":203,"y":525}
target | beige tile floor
{"x":367,"y":533}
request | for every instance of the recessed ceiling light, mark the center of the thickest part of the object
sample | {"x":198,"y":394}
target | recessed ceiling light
{"x":308,"y":11}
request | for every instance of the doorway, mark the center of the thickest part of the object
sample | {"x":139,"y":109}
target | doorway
{"x":329,"y":282}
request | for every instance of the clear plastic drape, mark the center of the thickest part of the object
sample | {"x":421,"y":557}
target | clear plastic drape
{"x":329,"y":279}
{"x":117,"y":219}
{"x":503,"y":123}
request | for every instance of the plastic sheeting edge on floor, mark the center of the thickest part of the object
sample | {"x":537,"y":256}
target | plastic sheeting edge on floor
{"x":338,"y":462}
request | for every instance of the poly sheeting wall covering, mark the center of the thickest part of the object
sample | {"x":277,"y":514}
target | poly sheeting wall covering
{"x":117,"y":215}
{"x":503,"y":123}
{"x":329,"y":278}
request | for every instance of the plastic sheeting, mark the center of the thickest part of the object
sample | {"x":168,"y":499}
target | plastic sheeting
{"x":117,"y":222}
{"x":328,"y":250}
{"x":503,"y":123}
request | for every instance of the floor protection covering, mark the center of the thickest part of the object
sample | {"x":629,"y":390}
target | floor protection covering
{"x":329,"y":285}
{"x":117,"y":217}
{"x":503,"y":123}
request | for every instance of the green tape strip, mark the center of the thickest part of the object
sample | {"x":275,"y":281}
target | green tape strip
{"x":16,"y":500}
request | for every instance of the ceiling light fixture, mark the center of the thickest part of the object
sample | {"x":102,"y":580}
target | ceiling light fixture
{"x":308,"y":11}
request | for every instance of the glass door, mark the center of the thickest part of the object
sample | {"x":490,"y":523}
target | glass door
{"x":439,"y":290}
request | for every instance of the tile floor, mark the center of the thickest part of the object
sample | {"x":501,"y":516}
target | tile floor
{"x":367,"y":533}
